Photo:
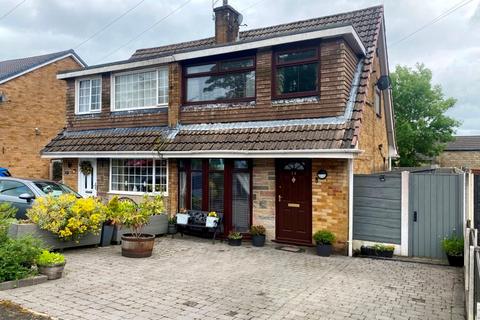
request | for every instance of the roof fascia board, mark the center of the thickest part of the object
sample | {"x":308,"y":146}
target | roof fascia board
{"x":347,"y":32}
{"x":323,"y":153}
{"x":79,"y":61}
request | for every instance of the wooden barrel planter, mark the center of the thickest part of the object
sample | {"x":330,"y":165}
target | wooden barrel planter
{"x":137,"y":247}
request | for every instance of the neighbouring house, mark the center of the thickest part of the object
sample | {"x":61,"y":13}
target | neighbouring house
{"x":463,"y":153}
{"x":32,"y":109}
{"x":267,"y":125}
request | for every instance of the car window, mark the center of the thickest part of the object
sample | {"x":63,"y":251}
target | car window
{"x":51,"y":188}
{"x":13,"y":188}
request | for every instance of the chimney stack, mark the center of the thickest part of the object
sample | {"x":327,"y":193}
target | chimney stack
{"x":227,"y":23}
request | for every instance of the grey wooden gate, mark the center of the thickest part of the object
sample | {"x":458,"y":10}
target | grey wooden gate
{"x":436,"y":212}
{"x":377,"y":208}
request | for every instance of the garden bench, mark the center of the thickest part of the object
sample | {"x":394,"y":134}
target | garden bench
{"x":197,"y":222}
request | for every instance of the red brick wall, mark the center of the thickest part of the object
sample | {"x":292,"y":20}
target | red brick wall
{"x":35,"y":100}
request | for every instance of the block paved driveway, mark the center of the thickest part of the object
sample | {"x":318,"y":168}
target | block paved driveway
{"x":190,"y":278}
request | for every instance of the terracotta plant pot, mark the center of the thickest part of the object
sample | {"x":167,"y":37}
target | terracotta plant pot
{"x":141,"y":247}
{"x":258,"y":240}
{"x":455,"y":261}
{"x":324,"y":250}
{"x":235,"y":242}
{"x":52,"y":272}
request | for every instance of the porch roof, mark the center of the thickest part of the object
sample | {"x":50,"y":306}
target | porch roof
{"x":217,"y":139}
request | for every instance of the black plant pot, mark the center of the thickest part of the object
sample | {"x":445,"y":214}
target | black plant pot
{"x":324,"y":250}
{"x":455,"y":261}
{"x":235,"y":242}
{"x":368,"y":251}
{"x":258,"y":240}
{"x":107,"y":234}
{"x":172,"y":228}
{"x":385,"y":254}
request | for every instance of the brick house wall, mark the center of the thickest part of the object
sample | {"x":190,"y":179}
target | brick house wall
{"x":263,"y":195}
{"x":34,"y":100}
{"x":460,"y":159}
{"x":373,"y":132}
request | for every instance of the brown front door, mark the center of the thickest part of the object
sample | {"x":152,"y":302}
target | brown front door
{"x":293,"y":201}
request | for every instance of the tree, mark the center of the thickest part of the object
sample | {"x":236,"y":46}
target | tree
{"x":422,"y":128}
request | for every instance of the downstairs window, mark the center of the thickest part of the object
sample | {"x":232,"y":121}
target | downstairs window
{"x":138,"y":175}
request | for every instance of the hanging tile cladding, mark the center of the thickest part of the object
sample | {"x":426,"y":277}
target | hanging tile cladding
{"x":337,"y":67}
{"x":106,"y":118}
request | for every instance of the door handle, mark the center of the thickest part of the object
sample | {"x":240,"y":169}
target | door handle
{"x":415,"y":216}
{"x":279,"y":198}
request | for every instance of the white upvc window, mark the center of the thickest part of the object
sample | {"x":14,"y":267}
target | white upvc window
{"x":88,"y":95}
{"x":139,"y":176}
{"x":140,"y":89}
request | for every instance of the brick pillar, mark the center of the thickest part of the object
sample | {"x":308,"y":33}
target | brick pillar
{"x":174,"y":93}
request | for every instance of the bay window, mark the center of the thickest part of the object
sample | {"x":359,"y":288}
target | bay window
{"x":138,"y":175}
{"x":225,"y":80}
{"x":296,"y":73}
{"x":88,"y":95}
{"x":221,"y":185}
{"x":140,"y":89}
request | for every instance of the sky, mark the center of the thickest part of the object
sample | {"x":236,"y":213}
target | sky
{"x":450,"y":47}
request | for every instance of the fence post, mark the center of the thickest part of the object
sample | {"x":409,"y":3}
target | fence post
{"x":404,"y":213}
{"x":470,"y":297}
{"x":466,"y":262}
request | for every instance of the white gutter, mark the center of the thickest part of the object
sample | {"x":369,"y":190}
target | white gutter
{"x":347,"y":32}
{"x":350,"y":207}
{"x":324,"y":153}
{"x":43,"y":65}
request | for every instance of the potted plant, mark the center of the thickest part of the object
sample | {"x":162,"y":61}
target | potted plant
{"x":324,"y":240}
{"x":235,"y":238}
{"x":385,"y":251}
{"x":258,"y":235}
{"x":136,"y":244}
{"x":453,"y":248}
{"x":51,"y":264}
{"x":172,"y":224}
{"x":182,"y":216}
{"x":212,"y":220}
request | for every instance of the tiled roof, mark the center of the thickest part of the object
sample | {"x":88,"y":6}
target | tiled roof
{"x":12,"y":68}
{"x":464,"y":143}
{"x":364,"y":21}
{"x":295,"y":137}
{"x":117,"y":139}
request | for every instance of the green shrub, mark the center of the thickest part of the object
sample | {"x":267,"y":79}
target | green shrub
{"x":48,"y":259}
{"x":324,"y":237}
{"x":453,"y":246}
{"x":18,"y":256}
{"x":7,"y":216}
{"x":235,"y":235}
{"x":257,"y":230}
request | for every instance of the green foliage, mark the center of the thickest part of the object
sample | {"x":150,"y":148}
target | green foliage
{"x":48,"y":259}
{"x":257,"y":230}
{"x":7,"y":216}
{"x":117,"y":208}
{"x":422,"y":128}
{"x":383,"y":247}
{"x":17,"y":257}
{"x":67,"y":216}
{"x":172,"y":219}
{"x":453,"y":246}
{"x":323,"y":237}
{"x":153,"y":204}
{"x":235,"y":235}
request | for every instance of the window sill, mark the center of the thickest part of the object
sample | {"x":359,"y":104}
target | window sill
{"x":134,"y":193}
{"x":220,"y":106}
{"x":292,"y":101}
{"x":160,"y":106}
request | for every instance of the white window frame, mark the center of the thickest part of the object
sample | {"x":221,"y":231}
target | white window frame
{"x":112,"y":89}
{"x":139,"y":193}
{"x":77,"y":95}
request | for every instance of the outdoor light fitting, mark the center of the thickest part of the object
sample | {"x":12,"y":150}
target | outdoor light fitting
{"x":321,"y":175}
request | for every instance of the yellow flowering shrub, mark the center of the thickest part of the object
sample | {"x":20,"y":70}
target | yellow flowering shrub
{"x":67,"y":216}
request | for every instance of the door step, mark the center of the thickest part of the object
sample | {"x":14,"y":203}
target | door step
{"x":290,"y":249}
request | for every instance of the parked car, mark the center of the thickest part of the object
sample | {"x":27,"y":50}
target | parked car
{"x":21,"y":193}
{"x":4,"y":172}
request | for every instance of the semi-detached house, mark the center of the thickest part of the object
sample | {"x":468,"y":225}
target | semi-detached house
{"x":266,"y":125}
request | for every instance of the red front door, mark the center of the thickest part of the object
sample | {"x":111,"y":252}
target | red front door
{"x":293,"y":201}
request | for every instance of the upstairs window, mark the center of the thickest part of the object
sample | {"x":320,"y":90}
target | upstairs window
{"x":140,"y":90}
{"x":220,"y":81}
{"x":296,"y":73}
{"x":89,"y":95}
{"x":378,"y":102}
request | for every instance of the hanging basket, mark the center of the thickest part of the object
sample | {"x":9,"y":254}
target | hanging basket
{"x":86,"y":168}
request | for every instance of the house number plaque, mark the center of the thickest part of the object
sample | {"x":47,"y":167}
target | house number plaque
{"x":294,"y":205}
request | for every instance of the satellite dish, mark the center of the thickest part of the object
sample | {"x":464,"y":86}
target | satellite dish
{"x":383,"y":82}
